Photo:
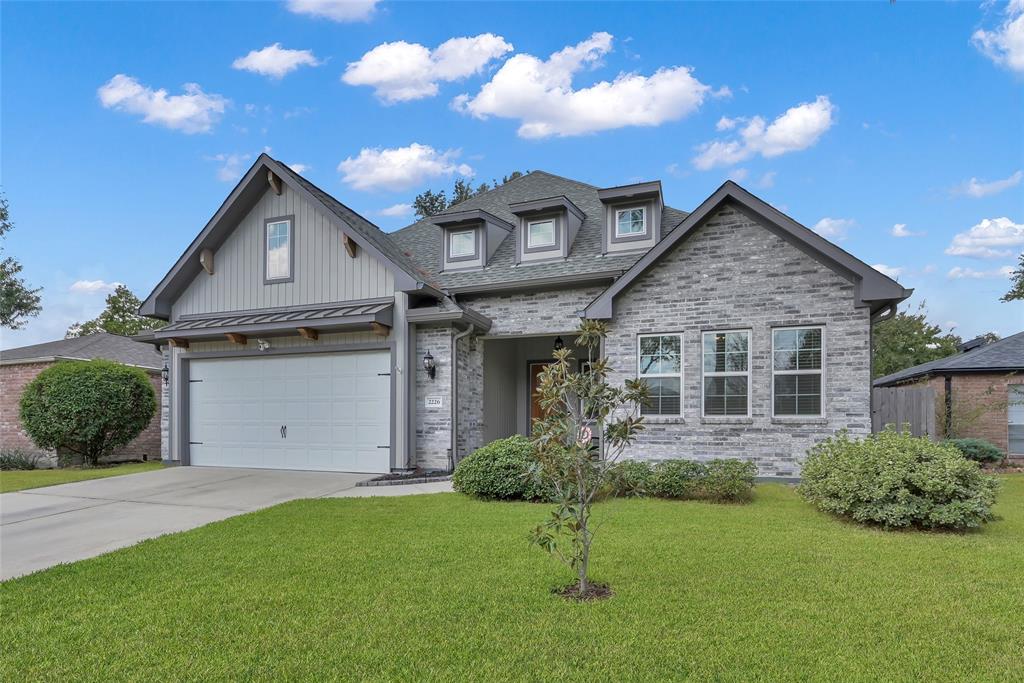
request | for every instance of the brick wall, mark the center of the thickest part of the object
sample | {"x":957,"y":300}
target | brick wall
{"x":14,"y":378}
{"x":979,"y":405}
{"x":433,"y":425}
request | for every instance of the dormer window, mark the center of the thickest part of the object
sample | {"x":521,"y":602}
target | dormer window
{"x":462,"y":243}
{"x":279,"y":254}
{"x":630,"y":222}
{"x":540,"y":234}
{"x":469,"y":238}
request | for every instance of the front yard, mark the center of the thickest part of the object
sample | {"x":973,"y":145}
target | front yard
{"x":444,"y":587}
{"x":18,"y":480}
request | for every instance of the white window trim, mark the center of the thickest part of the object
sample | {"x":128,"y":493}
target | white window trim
{"x":619,"y":211}
{"x":703,"y":373}
{"x":529,"y":235}
{"x":821,"y":412}
{"x":451,"y":243}
{"x":681,"y":374}
{"x":266,"y":252}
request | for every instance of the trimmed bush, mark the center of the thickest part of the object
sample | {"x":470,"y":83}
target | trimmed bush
{"x":898,"y":481}
{"x":18,"y":460}
{"x":677,"y":479}
{"x":631,"y":478}
{"x":977,"y":450}
{"x":89,"y":408}
{"x":729,"y":479}
{"x":501,"y":470}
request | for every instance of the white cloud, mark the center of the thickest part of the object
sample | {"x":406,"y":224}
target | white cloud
{"x":402,"y":71}
{"x":959,"y":273}
{"x":231,"y":166}
{"x":725,"y":123}
{"x":767,"y":180}
{"x":396,"y":210}
{"x":275,"y":61}
{"x":738,"y":175}
{"x":539,"y":93}
{"x":900,"y":230}
{"x":797,"y":129}
{"x":1005,"y":44}
{"x":336,"y":10}
{"x":891,"y":271}
{"x":300,"y":168}
{"x":399,"y":168}
{"x":980,"y":188}
{"x":93,"y":286}
{"x":833,"y":228}
{"x":991,"y":238}
{"x":192,"y":112}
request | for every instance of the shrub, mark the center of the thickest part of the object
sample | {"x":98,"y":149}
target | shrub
{"x":501,"y":470}
{"x":631,"y":478}
{"x":729,"y":479}
{"x":89,"y":408}
{"x":677,"y":479}
{"x":18,"y":460}
{"x":977,"y":450}
{"x":898,"y":481}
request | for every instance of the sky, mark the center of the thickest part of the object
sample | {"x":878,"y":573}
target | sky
{"x":894,"y":129}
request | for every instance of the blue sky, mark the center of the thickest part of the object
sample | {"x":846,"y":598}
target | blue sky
{"x":853,"y":118}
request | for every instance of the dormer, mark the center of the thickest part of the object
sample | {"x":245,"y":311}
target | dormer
{"x":547,"y":228}
{"x":470,"y":238}
{"x":632,"y":216}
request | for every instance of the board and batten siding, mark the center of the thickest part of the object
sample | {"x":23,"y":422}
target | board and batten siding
{"x":324,"y":272}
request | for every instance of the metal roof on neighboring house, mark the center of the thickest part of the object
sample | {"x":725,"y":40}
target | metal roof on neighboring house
{"x":98,"y":345}
{"x":1005,"y":355}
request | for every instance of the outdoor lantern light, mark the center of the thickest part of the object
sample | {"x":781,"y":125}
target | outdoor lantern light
{"x":428,"y":365}
{"x":166,"y":374}
{"x":559,"y":344}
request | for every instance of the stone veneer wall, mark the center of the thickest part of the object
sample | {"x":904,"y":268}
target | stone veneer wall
{"x":735,"y":274}
{"x":470,"y":354}
{"x":433,"y":425}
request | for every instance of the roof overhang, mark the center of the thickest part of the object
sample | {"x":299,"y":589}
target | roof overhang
{"x":538,"y":283}
{"x":873,"y":289}
{"x":546,"y":205}
{"x":57,"y":358}
{"x":621,"y":193}
{"x":940,"y":372}
{"x":458,"y":218}
{"x":460,"y":316}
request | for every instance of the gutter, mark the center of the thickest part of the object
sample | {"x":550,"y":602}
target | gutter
{"x":455,"y":392}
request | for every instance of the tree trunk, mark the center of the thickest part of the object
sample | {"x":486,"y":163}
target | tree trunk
{"x":585,"y":559}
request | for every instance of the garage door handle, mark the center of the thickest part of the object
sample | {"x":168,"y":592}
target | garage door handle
{"x":284,"y":431}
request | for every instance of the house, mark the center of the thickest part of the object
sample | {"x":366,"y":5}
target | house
{"x":979,"y":390}
{"x":20,"y":366}
{"x":302,"y":336}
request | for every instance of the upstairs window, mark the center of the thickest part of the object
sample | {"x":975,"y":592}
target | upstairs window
{"x":796,"y":371}
{"x":540,"y":234}
{"x":462,"y":244}
{"x":279,"y":250}
{"x":727,"y":373}
{"x":660,"y":365}
{"x":630,"y":222}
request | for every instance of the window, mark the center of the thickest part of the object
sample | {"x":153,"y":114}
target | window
{"x":630,"y":222}
{"x":727,"y":373}
{"x":1015,"y":418}
{"x":796,"y":371}
{"x":540,"y":234}
{"x":462,"y":243}
{"x":660,"y":365}
{"x":279,"y":250}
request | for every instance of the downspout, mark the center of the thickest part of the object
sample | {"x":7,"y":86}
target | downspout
{"x":455,"y":393}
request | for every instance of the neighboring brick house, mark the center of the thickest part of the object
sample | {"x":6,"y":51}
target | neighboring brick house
{"x":979,"y":391}
{"x":20,"y":366}
{"x":301,"y":336}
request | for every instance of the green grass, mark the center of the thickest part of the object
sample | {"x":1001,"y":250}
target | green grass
{"x":18,"y":480}
{"x":446,"y":588}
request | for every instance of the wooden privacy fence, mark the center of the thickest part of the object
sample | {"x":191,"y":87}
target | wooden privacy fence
{"x":901,"y":406}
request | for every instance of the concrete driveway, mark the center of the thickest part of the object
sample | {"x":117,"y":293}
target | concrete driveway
{"x":43,"y":527}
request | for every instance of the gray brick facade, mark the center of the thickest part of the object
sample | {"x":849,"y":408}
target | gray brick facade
{"x":433,"y":425}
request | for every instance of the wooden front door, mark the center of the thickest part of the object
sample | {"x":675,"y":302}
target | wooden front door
{"x":535,"y":368}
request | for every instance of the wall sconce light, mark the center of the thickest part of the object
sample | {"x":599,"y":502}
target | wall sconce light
{"x":428,"y":365}
{"x":166,"y":374}
{"x":559,"y":344}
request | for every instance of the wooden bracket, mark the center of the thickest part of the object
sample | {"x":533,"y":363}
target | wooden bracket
{"x":350,"y":245}
{"x":274,"y":181}
{"x":308,"y":333}
{"x":179,"y":343}
{"x":236,"y":338}
{"x":380,"y":329}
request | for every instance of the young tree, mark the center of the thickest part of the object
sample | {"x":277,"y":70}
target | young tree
{"x":119,"y":317}
{"x":908,"y":339}
{"x":18,"y":301}
{"x":578,"y":405}
{"x":1016,"y":292}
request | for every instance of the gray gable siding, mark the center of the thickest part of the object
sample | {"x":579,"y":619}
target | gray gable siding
{"x":323,"y":272}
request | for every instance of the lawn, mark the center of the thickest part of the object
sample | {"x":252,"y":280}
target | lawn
{"x":17,"y":480}
{"x":446,"y":588}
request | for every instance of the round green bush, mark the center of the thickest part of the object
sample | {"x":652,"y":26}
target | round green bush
{"x":501,"y":470}
{"x":631,"y":478}
{"x":898,"y":481}
{"x":977,"y":450}
{"x":89,"y":408}
{"x":677,"y":479}
{"x":729,"y":479}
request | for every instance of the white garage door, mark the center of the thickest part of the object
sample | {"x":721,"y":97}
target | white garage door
{"x":323,"y":411}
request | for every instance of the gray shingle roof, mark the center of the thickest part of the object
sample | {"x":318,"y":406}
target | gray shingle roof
{"x":99,"y":345}
{"x":1005,"y":355}
{"x":422,"y":240}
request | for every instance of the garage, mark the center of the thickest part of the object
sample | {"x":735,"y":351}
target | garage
{"x":318,"y":411}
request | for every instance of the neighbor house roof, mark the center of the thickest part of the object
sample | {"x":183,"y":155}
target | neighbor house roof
{"x":1003,"y":356}
{"x":98,"y":345}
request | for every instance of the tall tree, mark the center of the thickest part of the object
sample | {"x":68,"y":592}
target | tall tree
{"x":119,"y":317}
{"x":430,"y":203}
{"x":1016,"y":292}
{"x":18,"y":301}
{"x":461,"y":192}
{"x":908,"y":339}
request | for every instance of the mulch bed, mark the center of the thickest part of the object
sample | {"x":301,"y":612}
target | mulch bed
{"x":595,"y":591}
